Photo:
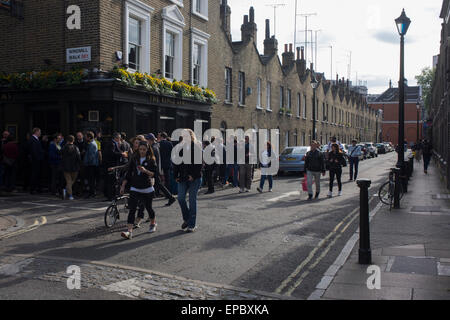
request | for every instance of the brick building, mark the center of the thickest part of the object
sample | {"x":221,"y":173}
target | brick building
{"x":388,"y":104}
{"x":179,"y":40}
{"x":258,"y":90}
{"x":439,"y":120}
{"x":167,"y":38}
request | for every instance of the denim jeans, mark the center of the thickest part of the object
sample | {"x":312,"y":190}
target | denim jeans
{"x":354,"y":162}
{"x":189,"y":213}
{"x":426,"y":161}
{"x":263,"y":180}
{"x":235,"y":174}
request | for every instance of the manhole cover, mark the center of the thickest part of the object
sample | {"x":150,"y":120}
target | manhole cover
{"x":425,"y":266}
{"x":441,"y":197}
{"x":426,"y":209}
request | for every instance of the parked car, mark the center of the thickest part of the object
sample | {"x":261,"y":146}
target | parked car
{"x":389,"y":146}
{"x":382,"y":148}
{"x":372,"y":151}
{"x":292,"y":159}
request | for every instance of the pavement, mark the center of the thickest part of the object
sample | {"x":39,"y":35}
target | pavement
{"x":410,"y":246}
{"x":256,"y":246}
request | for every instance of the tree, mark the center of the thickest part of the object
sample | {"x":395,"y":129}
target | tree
{"x":425,"y":79}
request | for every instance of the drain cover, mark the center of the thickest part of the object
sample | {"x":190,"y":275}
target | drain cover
{"x":426,"y":209}
{"x":425,"y":266}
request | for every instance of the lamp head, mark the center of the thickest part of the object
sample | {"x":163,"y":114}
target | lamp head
{"x":402,"y":23}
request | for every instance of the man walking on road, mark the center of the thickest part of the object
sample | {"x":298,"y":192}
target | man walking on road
{"x":314,"y":166}
{"x":427,"y":151}
{"x":245,"y":170}
{"x":354,"y":152}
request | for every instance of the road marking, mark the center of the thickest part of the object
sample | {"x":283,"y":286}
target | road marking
{"x":66,"y":207}
{"x":297,"y":271}
{"x":286,"y":195}
{"x":323,"y":255}
{"x":32,"y":227}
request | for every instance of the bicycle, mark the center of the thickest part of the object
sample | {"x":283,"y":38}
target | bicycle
{"x":119,"y":204}
{"x":387,"y":191}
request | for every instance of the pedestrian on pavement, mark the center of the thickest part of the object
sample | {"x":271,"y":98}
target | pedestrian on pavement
{"x":159,"y":186}
{"x":232,"y":166}
{"x":427,"y":152}
{"x":209,"y":169}
{"x":71,"y":164}
{"x":335,"y":161}
{"x":354,"y":153}
{"x":141,"y":171}
{"x":91,"y":164}
{"x":35,"y":158}
{"x":266,"y":157}
{"x":314,"y":166}
{"x":245,"y":169}
{"x":55,"y":158}
{"x":189,"y":178}
{"x":10,"y":156}
{"x":165,"y":148}
{"x":113,"y":156}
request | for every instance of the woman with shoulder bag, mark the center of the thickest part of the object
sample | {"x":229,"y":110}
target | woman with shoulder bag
{"x":335,"y":161}
{"x":140,"y":173}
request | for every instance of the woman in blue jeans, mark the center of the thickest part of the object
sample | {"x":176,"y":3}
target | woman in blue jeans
{"x":189,"y":178}
{"x":266,"y":157}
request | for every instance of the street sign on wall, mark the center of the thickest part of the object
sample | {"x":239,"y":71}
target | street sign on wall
{"x":81,"y":54}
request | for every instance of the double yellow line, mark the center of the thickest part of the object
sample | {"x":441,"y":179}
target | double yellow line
{"x":288,"y":285}
{"x":34,"y":226}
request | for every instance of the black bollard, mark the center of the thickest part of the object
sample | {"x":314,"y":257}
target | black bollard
{"x":365,"y":254}
{"x":397,"y":188}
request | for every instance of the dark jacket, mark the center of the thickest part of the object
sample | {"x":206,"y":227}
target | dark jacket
{"x":165,"y":148}
{"x":54,"y":154}
{"x":112,"y":155}
{"x":183,"y":171}
{"x":315,"y":161}
{"x":36,"y":152}
{"x":333,"y":157}
{"x":81,"y":145}
{"x":71,"y":158}
{"x":427,"y":149}
{"x":155,"y":148}
{"x":137,"y":179}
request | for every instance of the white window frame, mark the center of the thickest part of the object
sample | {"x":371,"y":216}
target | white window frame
{"x":201,"y":38}
{"x":269,"y":95}
{"x":141,"y":12}
{"x":298,"y":105}
{"x":228,"y":85}
{"x":281,"y":97}
{"x":241,"y":88}
{"x":203,"y":13}
{"x":174,"y":26}
{"x":259,"y":93}
{"x":178,"y":3}
{"x":305,"y":107}
{"x":289,"y":100}
{"x":286,"y":139}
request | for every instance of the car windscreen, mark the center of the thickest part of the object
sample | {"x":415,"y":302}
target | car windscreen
{"x":287,"y":151}
{"x":300,"y":151}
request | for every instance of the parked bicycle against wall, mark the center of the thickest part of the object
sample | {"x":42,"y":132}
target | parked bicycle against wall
{"x":387,"y":191}
{"x":119,"y":205}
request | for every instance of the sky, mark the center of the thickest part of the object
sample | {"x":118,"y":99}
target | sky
{"x":362,"y":29}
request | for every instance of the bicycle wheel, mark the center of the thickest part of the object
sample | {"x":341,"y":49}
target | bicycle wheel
{"x":111,"y":215}
{"x":122,"y":207}
{"x":384,"y":193}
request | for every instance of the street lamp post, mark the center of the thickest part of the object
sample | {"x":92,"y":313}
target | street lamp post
{"x":314,"y":84}
{"x":418,"y":119}
{"x":402,"y":23}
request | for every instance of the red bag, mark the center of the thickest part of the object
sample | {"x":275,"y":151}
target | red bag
{"x":305,"y":183}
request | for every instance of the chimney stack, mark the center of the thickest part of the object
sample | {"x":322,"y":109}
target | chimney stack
{"x":249,"y":29}
{"x":270,"y":43}
{"x":288,"y":55}
{"x":298,"y":53}
{"x":301,"y":63}
{"x":225,"y":15}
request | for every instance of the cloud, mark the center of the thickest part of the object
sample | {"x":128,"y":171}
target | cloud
{"x":386,"y":37}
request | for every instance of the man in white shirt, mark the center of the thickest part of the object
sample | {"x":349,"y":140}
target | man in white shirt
{"x":334,"y":141}
{"x":354,"y":152}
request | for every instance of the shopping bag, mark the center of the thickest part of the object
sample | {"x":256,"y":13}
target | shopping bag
{"x":305,"y":183}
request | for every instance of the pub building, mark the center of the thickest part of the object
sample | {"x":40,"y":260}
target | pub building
{"x":63,"y":74}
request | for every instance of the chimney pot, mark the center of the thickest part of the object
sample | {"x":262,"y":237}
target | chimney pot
{"x":290,"y":47}
{"x":298,"y":53}
{"x":311,"y":66}
{"x":303,"y":53}
{"x":285,"y":48}
{"x":252,"y":14}
{"x":267,"y":29}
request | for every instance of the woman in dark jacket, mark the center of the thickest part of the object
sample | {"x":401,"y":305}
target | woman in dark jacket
{"x":141,"y":170}
{"x":71,"y":164}
{"x":335,"y":161}
{"x":189,"y":178}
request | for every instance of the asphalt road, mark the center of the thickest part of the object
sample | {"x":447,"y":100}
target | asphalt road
{"x":273,"y":242}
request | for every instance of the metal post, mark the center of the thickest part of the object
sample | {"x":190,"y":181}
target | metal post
{"x":397,"y":188}
{"x":401,"y":106}
{"x":365,"y":254}
{"x":314,"y":114}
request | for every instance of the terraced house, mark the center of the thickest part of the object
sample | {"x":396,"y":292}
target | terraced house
{"x":261,"y":91}
{"x":48,"y":39}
